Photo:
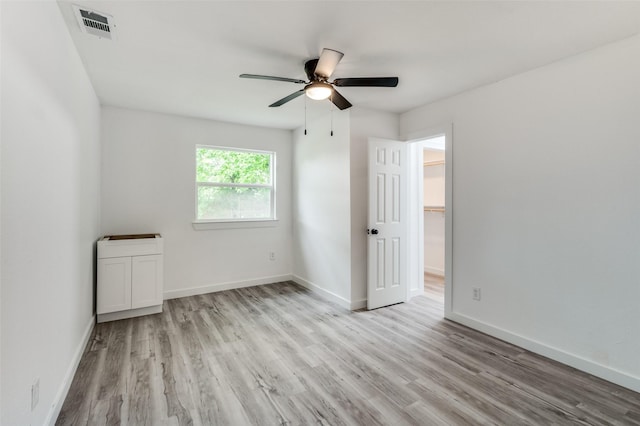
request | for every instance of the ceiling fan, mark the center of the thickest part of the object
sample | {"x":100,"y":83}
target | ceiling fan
{"x":319,"y":87}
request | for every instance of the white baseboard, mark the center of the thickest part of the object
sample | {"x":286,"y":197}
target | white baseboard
{"x":330,"y":296}
{"x":415,"y":292}
{"x":358,"y":304}
{"x":434,"y":271}
{"x":68,"y":377}
{"x":129,"y":313}
{"x":212,"y":288}
{"x":598,"y":370}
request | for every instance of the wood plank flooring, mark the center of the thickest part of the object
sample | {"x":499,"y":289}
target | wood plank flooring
{"x":280,"y":355}
{"x":434,"y":287}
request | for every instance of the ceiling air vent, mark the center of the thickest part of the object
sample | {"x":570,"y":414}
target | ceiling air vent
{"x":95,"y":23}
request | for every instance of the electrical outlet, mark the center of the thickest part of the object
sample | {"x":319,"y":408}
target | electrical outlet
{"x":35,"y":394}
{"x":476,"y":293}
{"x":272,"y":255}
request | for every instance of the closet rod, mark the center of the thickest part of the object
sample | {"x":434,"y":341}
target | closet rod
{"x":434,"y":209}
{"x":433,"y":163}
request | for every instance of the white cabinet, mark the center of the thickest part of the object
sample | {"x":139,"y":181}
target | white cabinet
{"x":129,"y":276}
{"x":146,"y":273}
{"x":114,"y":284}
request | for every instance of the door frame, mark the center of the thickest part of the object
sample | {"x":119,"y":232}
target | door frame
{"x":415,"y":262}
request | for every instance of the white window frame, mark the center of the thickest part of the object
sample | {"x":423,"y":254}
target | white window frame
{"x":203,"y":224}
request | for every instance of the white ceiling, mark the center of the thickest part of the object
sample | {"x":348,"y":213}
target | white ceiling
{"x":184,"y":57}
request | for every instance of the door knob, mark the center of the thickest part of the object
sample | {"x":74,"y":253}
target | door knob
{"x":374,"y":231}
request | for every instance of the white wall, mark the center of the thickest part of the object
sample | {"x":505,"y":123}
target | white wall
{"x":1,"y":120}
{"x":148,"y":185}
{"x":364,"y":124}
{"x":1,"y":73}
{"x":434,"y":239}
{"x":434,"y":235}
{"x":50,"y":209}
{"x":330,"y":202}
{"x":546,"y":207}
{"x":433,"y":177}
{"x":321,"y":208}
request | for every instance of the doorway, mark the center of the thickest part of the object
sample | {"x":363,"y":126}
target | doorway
{"x":433,"y":200}
{"x":430,"y":223}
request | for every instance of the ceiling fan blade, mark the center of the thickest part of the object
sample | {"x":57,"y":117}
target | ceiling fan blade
{"x":339,"y":100}
{"x":287,"y":98}
{"x":367,"y":82}
{"x":268,"y":77}
{"x":327,"y":62}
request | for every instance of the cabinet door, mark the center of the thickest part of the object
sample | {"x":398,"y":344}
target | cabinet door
{"x":114,"y":284}
{"x":146,"y":286}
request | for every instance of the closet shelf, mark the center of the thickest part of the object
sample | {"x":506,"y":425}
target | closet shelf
{"x":434,"y":209}
{"x":433,"y":163}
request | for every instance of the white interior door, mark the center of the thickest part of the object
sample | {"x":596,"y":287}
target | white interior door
{"x":387,"y":245}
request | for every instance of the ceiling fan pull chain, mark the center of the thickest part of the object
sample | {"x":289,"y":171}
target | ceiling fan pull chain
{"x":305,"y":116}
{"x":331,"y":107}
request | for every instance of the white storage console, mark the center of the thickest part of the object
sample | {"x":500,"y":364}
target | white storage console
{"x":129,"y":276}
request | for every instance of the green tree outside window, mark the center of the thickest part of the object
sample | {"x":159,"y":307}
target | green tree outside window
{"x":234,"y":184}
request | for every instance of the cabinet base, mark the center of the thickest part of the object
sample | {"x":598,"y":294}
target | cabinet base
{"x":130,"y":313}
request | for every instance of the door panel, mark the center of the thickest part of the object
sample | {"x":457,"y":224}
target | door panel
{"x":147,"y":281}
{"x":114,"y":284}
{"x":387,"y":223}
{"x":380,"y":252}
{"x":380,"y":197}
{"x":395,"y":195}
{"x":395,"y":262}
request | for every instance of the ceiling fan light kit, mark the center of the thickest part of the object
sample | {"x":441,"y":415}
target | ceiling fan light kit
{"x":319,"y":87}
{"x":318,"y":90}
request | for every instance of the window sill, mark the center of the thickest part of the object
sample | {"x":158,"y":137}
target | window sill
{"x":234,"y":224}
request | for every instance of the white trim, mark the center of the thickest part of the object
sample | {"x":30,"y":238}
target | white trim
{"x":235,"y":149}
{"x":416,"y":292}
{"x":234,"y":185}
{"x":330,"y":296}
{"x":237,"y":224}
{"x":417,"y":261}
{"x":68,"y":377}
{"x":232,"y":285}
{"x":448,"y":218}
{"x":358,"y":304}
{"x":129,"y":313}
{"x":434,"y":271}
{"x":607,"y":373}
{"x":416,"y":223}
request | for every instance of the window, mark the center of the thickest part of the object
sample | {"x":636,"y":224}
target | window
{"x":234,"y":184}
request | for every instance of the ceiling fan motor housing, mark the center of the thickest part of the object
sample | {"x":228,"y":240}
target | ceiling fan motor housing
{"x":310,"y":68}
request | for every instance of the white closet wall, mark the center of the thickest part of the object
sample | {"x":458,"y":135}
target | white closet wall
{"x":434,"y":219}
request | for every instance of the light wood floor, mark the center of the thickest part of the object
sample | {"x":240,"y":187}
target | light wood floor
{"x":434,"y":287}
{"x":279,"y":355}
